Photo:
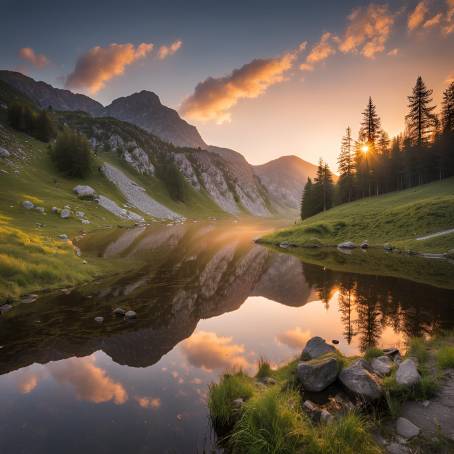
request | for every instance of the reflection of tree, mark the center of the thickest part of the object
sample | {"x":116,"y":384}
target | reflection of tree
{"x":322,"y":280}
{"x":346,"y":308}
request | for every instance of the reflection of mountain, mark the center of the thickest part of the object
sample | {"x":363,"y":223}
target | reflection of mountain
{"x":190,"y":272}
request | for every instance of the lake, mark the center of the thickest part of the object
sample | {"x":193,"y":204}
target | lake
{"x":208,"y":299}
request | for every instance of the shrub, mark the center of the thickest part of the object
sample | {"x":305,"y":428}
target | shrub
{"x":418,"y":349}
{"x":264,"y":369}
{"x":373,"y":352}
{"x":174,"y":182}
{"x":445,"y":357}
{"x":71,"y":154}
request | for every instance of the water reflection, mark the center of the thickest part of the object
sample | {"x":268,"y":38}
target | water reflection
{"x":208,"y":299}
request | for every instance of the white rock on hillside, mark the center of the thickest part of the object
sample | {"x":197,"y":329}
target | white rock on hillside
{"x":84,"y":192}
{"x":138,"y":159}
{"x":111,"y":206}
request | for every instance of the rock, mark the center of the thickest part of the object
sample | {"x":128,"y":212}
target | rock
{"x":269,"y":381}
{"x":54,"y":210}
{"x":5,"y":308}
{"x":397,"y":448}
{"x":63,"y":237}
{"x":309,"y":406}
{"x":80,"y":214}
{"x":99,"y":319}
{"x":406,"y":428}
{"x":119,"y":312}
{"x":238,"y":403}
{"x":391,"y":352}
{"x":85,"y":221}
{"x":4,"y":153}
{"x":130,"y":315}
{"x":426,"y":403}
{"x":346,"y":245}
{"x":84,"y":262}
{"x":335,"y":342}
{"x":359,"y":380}
{"x":65,"y":213}
{"x":28,"y":205}
{"x":450,"y":254}
{"x":84,"y":192}
{"x":40,"y":210}
{"x":388,"y":247}
{"x":284,"y":244}
{"x":326,"y":417}
{"x":317,"y":374}
{"x":315,"y":348}
{"x":407,"y":373}
{"x":382,"y":365}
{"x":364,"y":245}
{"x":30,"y":298}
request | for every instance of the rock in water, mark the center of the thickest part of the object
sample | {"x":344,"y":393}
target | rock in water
{"x":407,"y":373}
{"x":84,"y":192}
{"x":364,"y":245}
{"x":30,"y":298}
{"x":130,"y":315}
{"x":27,"y":204}
{"x":317,"y":374}
{"x":5,"y":308}
{"x":359,"y":380}
{"x":382,"y":365}
{"x":99,"y":319}
{"x":346,"y":245}
{"x":406,"y":428}
{"x":119,"y":312}
{"x":315,"y":348}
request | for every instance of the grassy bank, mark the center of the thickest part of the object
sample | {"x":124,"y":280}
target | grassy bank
{"x":265,"y":413}
{"x":397,"y":218}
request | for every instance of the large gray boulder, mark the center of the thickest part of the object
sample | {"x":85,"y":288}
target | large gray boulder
{"x":406,"y":428}
{"x":4,"y":153}
{"x":84,"y":192}
{"x":317,"y":374}
{"x":315,"y":348}
{"x":407,"y":374}
{"x":382,"y":365}
{"x":360,"y":380}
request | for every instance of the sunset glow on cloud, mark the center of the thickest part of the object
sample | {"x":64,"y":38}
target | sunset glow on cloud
{"x":100,"y":64}
{"x":416,"y":18}
{"x":37,"y":60}
{"x":167,"y":51}
{"x":321,"y":51}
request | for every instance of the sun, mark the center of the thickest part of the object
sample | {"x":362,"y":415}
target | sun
{"x":365,"y":148}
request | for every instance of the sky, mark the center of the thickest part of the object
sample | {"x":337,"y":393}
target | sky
{"x":266,"y":78}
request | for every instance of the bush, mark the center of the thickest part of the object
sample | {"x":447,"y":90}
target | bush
{"x":373,"y":352}
{"x":71,"y":154}
{"x":418,"y":349}
{"x":445,"y":357}
{"x":174,"y":182}
{"x":264,"y":369}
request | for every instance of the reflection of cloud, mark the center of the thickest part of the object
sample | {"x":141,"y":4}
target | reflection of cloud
{"x":28,"y":382}
{"x":37,"y":60}
{"x":416,"y":18}
{"x":321,"y":51}
{"x":214,"y":97}
{"x":209,"y":351}
{"x":100,"y":64}
{"x":167,"y":51}
{"x":148,"y":402}
{"x":90,"y":382}
{"x":368,"y":30}
{"x":294,"y":338}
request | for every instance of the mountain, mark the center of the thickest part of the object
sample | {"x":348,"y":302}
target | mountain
{"x":142,"y":109}
{"x":45,"y":95}
{"x":145,"y":110}
{"x":284,"y":179}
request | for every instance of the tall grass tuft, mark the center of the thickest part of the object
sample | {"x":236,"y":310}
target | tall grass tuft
{"x":445,"y":357}
{"x":418,"y":349}
{"x":264,"y":369}
{"x":373,"y":352}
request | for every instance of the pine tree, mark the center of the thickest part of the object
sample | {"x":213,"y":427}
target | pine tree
{"x":346,"y":168}
{"x":447,"y":110}
{"x":43,"y":128}
{"x":307,"y":205}
{"x":323,"y":188}
{"x":420,"y":119}
{"x":370,"y":125}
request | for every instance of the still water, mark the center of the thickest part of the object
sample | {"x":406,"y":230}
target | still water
{"x":208,"y":300}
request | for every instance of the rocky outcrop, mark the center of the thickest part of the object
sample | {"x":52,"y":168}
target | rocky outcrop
{"x":84,"y":192}
{"x":317,"y":374}
{"x":113,"y":208}
{"x":382,"y":365}
{"x":360,"y":380}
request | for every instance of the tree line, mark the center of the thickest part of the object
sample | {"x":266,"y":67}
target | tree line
{"x":373,"y":164}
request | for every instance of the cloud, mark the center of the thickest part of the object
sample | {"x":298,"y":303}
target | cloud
{"x":393,"y":52}
{"x":416,"y":18}
{"x":294,"y":338}
{"x":28,"y":381}
{"x":450,"y":79}
{"x":37,"y":60}
{"x":214,"y":97}
{"x":209,"y":351}
{"x":434,"y":21}
{"x":321,"y":51}
{"x":90,"y":382}
{"x":148,"y":402}
{"x":167,"y":51}
{"x":449,"y":20}
{"x":368,"y":30}
{"x":100,"y":64}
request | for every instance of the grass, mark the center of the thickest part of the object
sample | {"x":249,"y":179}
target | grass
{"x":373,"y":352}
{"x":445,"y":357}
{"x":264,"y":369}
{"x":397,"y":218}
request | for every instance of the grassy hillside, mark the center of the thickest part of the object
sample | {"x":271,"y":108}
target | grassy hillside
{"x":397,"y":218}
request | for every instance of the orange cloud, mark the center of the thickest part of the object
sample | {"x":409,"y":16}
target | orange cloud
{"x":450,"y":79}
{"x":28,"y":382}
{"x":321,"y":51}
{"x":37,"y":60}
{"x":100,"y":64}
{"x":449,"y":21}
{"x":148,"y":402}
{"x":214,"y":97}
{"x":90,"y":382}
{"x":434,"y":21}
{"x":393,"y":52}
{"x":167,"y":51}
{"x":416,"y":18}
{"x":209,"y":351}
{"x":294,"y":338}
{"x":368,"y":30}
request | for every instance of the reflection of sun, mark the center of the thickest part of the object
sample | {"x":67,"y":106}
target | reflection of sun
{"x":365,"y":148}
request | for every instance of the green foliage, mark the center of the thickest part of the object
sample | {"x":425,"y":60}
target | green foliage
{"x":71,"y":154}
{"x":418,"y":349}
{"x":272,"y":422}
{"x":264,"y":369}
{"x":373,"y":352}
{"x":174,"y":182}
{"x":445,"y":357}
{"x":222,"y":395}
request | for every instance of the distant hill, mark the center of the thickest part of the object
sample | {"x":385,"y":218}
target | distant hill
{"x":284,"y":179}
